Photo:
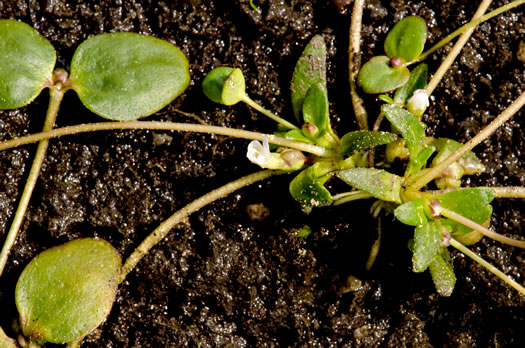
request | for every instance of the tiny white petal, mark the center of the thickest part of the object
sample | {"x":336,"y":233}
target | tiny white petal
{"x":418,"y":103}
{"x":259,"y":153}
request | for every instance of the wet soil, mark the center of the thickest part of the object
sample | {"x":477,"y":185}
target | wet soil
{"x":224,"y":278}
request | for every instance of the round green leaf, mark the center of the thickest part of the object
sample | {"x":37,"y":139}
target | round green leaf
{"x":315,"y":107}
{"x":124,"y":76}
{"x":213,"y":83}
{"x":234,"y":88}
{"x":406,"y":39}
{"x":377,"y":76}
{"x":65,"y":292}
{"x":27,"y":60}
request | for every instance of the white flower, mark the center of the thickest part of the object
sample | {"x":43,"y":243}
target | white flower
{"x":260,"y":153}
{"x":418,"y":103}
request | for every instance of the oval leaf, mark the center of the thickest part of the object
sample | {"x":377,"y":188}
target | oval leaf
{"x":213,"y":83}
{"x":407,"y":39}
{"x":378,"y":76}
{"x":308,"y":189}
{"x":363,"y":139}
{"x":427,"y":241}
{"x":412,"y":213}
{"x":315,"y":107}
{"x":309,"y":70}
{"x":379,"y":183}
{"x":27,"y":61}
{"x":234,"y":88}
{"x":442,"y":272}
{"x":124,"y":76}
{"x":418,"y":80}
{"x":472,"y":203}
{"x":65,"y":292}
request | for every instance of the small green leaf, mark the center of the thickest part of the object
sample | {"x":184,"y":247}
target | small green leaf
{"x":418,"y":80}
{"x":213,"y":83}
{"x":304,"y":232}
{"x":308,"y":188}
{"x":407,"y":39}
{"x":315,"y":107}
{"x":124,"y":76}
{"x":472,"y":203}
{"x":65,"y":292}
{"x":442,"y":272}
{"x":412,"y":213}
{"x":234,"y":88}
{"x":27,"y":61}
{"x":6,"y":341}
{"x":363,"y":139}
{"x":378,"y":76}
{"x":309,"y":70}
{"x":427,"y":241}
{"x":295,"y":134}
{"x":386,"y":98}
{"x":446,"y":147}
{"x":379,"y":183}
{"x":409,"y":126}
{"x":420,"y":161}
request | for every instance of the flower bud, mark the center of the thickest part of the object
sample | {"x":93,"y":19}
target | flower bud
{"x":310,"y":130}
{"x":418,"y":103}
{"x":294,"y":159}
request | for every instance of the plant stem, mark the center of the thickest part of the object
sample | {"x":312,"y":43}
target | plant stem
{"x":354,"y":63}
{"x":485,"y":133}
{"x":487,"y":265}
{"x":268,"y":113}
{"x":164,"y":228}
{"x":172,"y":126}
{"x":443,"y":68}
{"x":55,"y":97}
{"x":481,"y":229}
{"x":500,"y":192}
{"x":350,"y":196}
{"x":467,"y":26}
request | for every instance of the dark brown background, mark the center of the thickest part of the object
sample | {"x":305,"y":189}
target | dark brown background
{"x":226,"y":280}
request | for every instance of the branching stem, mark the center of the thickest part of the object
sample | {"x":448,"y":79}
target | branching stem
{"x":164,"y":228}
{"x":172,"y":126}
{"x":487,"y":265}
{"x":481,"y":229}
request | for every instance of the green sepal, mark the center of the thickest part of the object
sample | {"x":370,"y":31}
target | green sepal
{"x":442,"y":272}
{"x":378,"y":76}
{"x":27,"y":61}
{"x":379,"y":183}
{"x":410,"y":128}
{"x":412,"y":212}
{"x":124,"y":76}
{"x":427,"y":241}
{"x":308,"y":188}
{"x":309,"y":70}
{"x":407,"y":39}
{"x":472,"y":203}
{"x":418,"y":80}
{"x":363,"y":139}
{"x":315,"y":108}
{"x":65,"y":292}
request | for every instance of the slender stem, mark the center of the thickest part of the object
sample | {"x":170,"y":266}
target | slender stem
{"x":172,"y":126}
{"x":354,"y":63}
{"x":500,"y":192}
{"x":55,"y":97}
{"x":467,"y":26}
{"x":350,"y":196}
{"x":164,"y":228}
{"x":443,"y":68}
{"x":268,"y":113}
{"x":487,"y":265}
{"x":485,"y":133}
{"x":481,"y":229}
{"x":374,"y":250}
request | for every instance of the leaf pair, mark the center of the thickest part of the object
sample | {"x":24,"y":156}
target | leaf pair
{"x":119,"y":76}
{"x":403,"y":44}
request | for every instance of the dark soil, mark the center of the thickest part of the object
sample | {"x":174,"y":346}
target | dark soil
{"x":223,"y":279}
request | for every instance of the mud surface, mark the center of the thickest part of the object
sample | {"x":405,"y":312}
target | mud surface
{"x":224,"y":278}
